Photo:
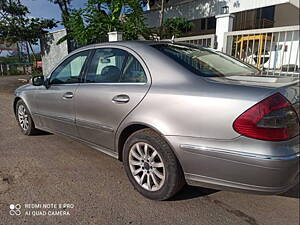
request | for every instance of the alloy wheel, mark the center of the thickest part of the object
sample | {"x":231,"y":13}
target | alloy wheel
{"x":23,"y":117}
{"x":146,"y":166}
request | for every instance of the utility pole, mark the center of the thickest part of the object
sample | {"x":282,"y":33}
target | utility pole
{"x":162,"y":13}
{"x":28,"y":52}
{"x":19,"y":45}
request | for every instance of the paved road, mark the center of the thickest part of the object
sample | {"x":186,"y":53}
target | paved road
{"x":49,"y":169}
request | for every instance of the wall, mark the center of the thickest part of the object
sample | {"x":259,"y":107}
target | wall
{"x":197,"y":9}
{"x":51,"y":52}
{"x":286,"y":15}
{"x":242,"y":5}
{"x":191,"y":10}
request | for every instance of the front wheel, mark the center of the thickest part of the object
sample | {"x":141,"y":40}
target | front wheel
{"x":24,"y":119}
{"x":151,"y":165}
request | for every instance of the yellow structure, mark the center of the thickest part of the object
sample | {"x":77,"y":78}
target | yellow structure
{"x":260,"y":38}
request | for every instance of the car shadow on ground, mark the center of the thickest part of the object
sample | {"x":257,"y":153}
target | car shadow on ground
{"x":190,"y":192}
{"x":41,"y":133}
{"x":292,"y":193}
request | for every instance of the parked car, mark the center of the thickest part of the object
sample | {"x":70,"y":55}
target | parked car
{"x":173,"y":113}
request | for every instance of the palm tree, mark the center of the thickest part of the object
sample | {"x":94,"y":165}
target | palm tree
{"x":64,"y":6}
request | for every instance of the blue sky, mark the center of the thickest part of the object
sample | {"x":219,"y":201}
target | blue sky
{"x":46,"y":9}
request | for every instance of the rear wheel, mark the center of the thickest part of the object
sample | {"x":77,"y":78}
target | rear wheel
{"x":24,"y":119}
{"x":151,"y":165}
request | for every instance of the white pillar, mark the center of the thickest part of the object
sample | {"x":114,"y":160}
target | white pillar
{"x":115,"y":36}
{"x":224,"y":24}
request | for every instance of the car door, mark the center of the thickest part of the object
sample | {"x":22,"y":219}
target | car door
{"x":56,"y":101}
{"x":115,"y":82}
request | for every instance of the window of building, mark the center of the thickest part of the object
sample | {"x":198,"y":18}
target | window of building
{"x":211,"y":23}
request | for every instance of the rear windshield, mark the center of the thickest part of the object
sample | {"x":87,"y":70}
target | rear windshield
{"x":205,"y":62}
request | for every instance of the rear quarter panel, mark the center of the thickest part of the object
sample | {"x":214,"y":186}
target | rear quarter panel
{"x":196,"y":108}
{"x":184,"y":104}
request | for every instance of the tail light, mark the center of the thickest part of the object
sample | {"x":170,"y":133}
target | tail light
{"x":272,"y":119}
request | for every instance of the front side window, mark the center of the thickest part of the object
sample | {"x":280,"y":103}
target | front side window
{"x":69,"y":71}
{"x":205,"y":62}
{"x":111,"y":65}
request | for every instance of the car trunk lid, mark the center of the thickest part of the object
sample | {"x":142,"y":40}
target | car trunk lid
{"x":287,"y":86}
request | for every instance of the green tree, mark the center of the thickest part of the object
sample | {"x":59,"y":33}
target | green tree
{"x":176,"y":27}
{"x":92,"y":23}
{"x":16,"y":26}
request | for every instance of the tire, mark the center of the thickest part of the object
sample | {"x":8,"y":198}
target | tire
{"x":162,"y":165}
{"x":27,"y":126}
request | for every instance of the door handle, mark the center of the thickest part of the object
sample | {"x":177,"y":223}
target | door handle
{"x":121,"y":99}
{"x":68,"y":95}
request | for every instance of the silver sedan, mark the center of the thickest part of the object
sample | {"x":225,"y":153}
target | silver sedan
{"x":174,"y":114}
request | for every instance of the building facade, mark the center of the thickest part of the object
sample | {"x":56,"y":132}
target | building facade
{"x":248,"y":14}
{"x":264,"y":33}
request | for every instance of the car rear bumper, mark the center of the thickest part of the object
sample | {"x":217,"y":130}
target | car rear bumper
{"x":237,"y":165}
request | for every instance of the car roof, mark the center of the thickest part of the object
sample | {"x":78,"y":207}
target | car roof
{"x":129,"y":44}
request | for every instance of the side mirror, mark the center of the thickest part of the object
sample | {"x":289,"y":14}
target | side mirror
{"x":38,"y":80}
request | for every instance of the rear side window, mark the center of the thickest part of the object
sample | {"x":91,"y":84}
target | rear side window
{"x":106,"y":66}
{"x":111,"y":65}
{"x":133,"y":71}
{"x":205,"y":62}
